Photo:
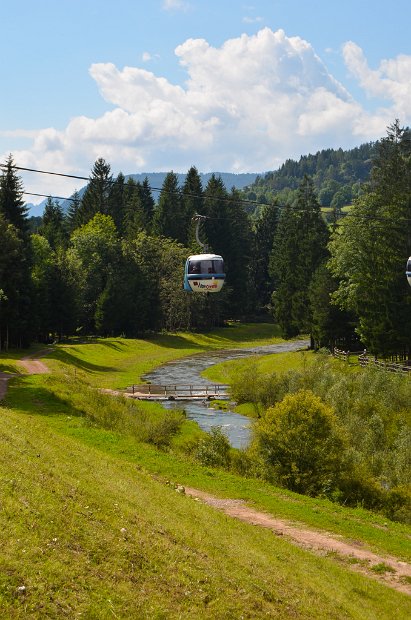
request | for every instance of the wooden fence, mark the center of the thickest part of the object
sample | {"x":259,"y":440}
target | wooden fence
{"x":344,"y":355}
{"x":365,"y":360}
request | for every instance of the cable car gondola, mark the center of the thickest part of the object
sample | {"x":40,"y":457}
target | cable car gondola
{"x":408,"y":270}
{"x":204,"y":273}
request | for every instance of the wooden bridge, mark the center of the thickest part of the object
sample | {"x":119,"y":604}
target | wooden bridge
{"x":148,"y":391}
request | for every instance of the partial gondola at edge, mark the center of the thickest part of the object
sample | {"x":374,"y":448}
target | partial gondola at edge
{"x":408,"y":270}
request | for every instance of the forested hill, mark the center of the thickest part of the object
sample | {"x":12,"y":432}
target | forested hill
{"x":337,"y":176}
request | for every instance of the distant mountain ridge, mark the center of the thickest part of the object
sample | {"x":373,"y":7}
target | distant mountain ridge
{"x":156,"y":179}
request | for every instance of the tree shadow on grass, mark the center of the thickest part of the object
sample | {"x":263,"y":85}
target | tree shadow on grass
{"x":170,"y":341}
{"x":37,"y":400}
{"x":61,"y":355}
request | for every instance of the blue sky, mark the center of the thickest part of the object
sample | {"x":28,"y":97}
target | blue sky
{"x":223,"y":85}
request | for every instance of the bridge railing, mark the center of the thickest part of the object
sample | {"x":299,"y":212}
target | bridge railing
{"x":182,"y":390}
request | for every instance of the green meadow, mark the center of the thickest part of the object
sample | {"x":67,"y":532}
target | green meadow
{"x":94,"y":526}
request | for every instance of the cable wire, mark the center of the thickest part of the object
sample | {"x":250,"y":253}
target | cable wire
{"x":161,"y":190}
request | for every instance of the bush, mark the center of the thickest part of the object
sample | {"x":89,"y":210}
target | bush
{"x":214,"y":450}
{"x":241,"y":463}
{"x":300,"y":441}
{"x":398,"y":504}
{"x":143,"y":422}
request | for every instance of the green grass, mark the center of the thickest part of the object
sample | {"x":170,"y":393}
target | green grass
{"x":51,"y":401}
{"x":116,"y":363}
{"x":91,"y":532}
{"x":264,"y":364}
{"x":96,"y":530}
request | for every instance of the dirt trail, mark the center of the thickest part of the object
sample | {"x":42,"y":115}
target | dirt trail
{"x":30,"y":365}
{"x":388,"y":570}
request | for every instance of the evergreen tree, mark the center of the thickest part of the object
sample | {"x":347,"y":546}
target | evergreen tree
{"x":370,"y":248}
{"x":148,"y":205}
{"x":298,"y":250}
{"x":54,"y":294}
{"x":17,"y":286}
{"x":73,"y":215}
{"x":11,"y":199}
{"x":192,"y":195}
{"x":10,"y":278}
{"x":265,"y":229}
{"x":330,"y":326}
{"x":116,"y":202}
{"x":228,"y":231}
{"x":134,"y":216}
{"x":53,"y":226}
{"x":168,"y":219}
{"x":96,"y":197}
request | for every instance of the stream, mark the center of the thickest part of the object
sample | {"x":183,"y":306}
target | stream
{"x":188,"y":371}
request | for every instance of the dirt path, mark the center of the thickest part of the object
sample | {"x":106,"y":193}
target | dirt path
{"x":388,"y":570}
{"x":31,"y":364}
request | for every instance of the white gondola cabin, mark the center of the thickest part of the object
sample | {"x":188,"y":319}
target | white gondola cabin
{"x":204,"y":273}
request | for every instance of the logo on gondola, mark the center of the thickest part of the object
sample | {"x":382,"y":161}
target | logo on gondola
{"x":205,"y":286}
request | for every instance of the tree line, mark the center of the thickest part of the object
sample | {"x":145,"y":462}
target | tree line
{"x":113,"y":263}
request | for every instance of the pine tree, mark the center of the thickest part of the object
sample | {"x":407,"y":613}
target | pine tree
{"x":17,"y":286}
{"x":265,"y":229}
{"x":53,"y":226}
{"x":10,"y":278}
{"x":168,"y":219}
{"x":228,"y":232}
{"x":300,"y":246}
{"x":11,"y":199}
{"x":72,"y":216}
{"x":193,"y":200}
{"x":116,"y":202}
{"x":148,"y":204}
{"x":369,"y":250}
{"x":134,"y":216}
{"x":96,"y":197}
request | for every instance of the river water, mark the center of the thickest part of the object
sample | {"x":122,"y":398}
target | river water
{"x":188,"y":371}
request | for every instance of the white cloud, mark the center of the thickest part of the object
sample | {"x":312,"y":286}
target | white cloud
{"x":246,"y":106}
{"x":146,"y":57}
{"x":390,"y":82}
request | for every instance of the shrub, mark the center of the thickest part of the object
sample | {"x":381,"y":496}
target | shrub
{"x":300,"y":441}
{"x":398,"y":504}
{"x":214,"y":449}
{"x":242,"y":464}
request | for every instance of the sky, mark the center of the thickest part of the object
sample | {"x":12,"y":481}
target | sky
{"x":223,"y":85}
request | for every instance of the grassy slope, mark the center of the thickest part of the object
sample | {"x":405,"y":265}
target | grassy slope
{"x":90,"y":531}
{"x":116,"y":363}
